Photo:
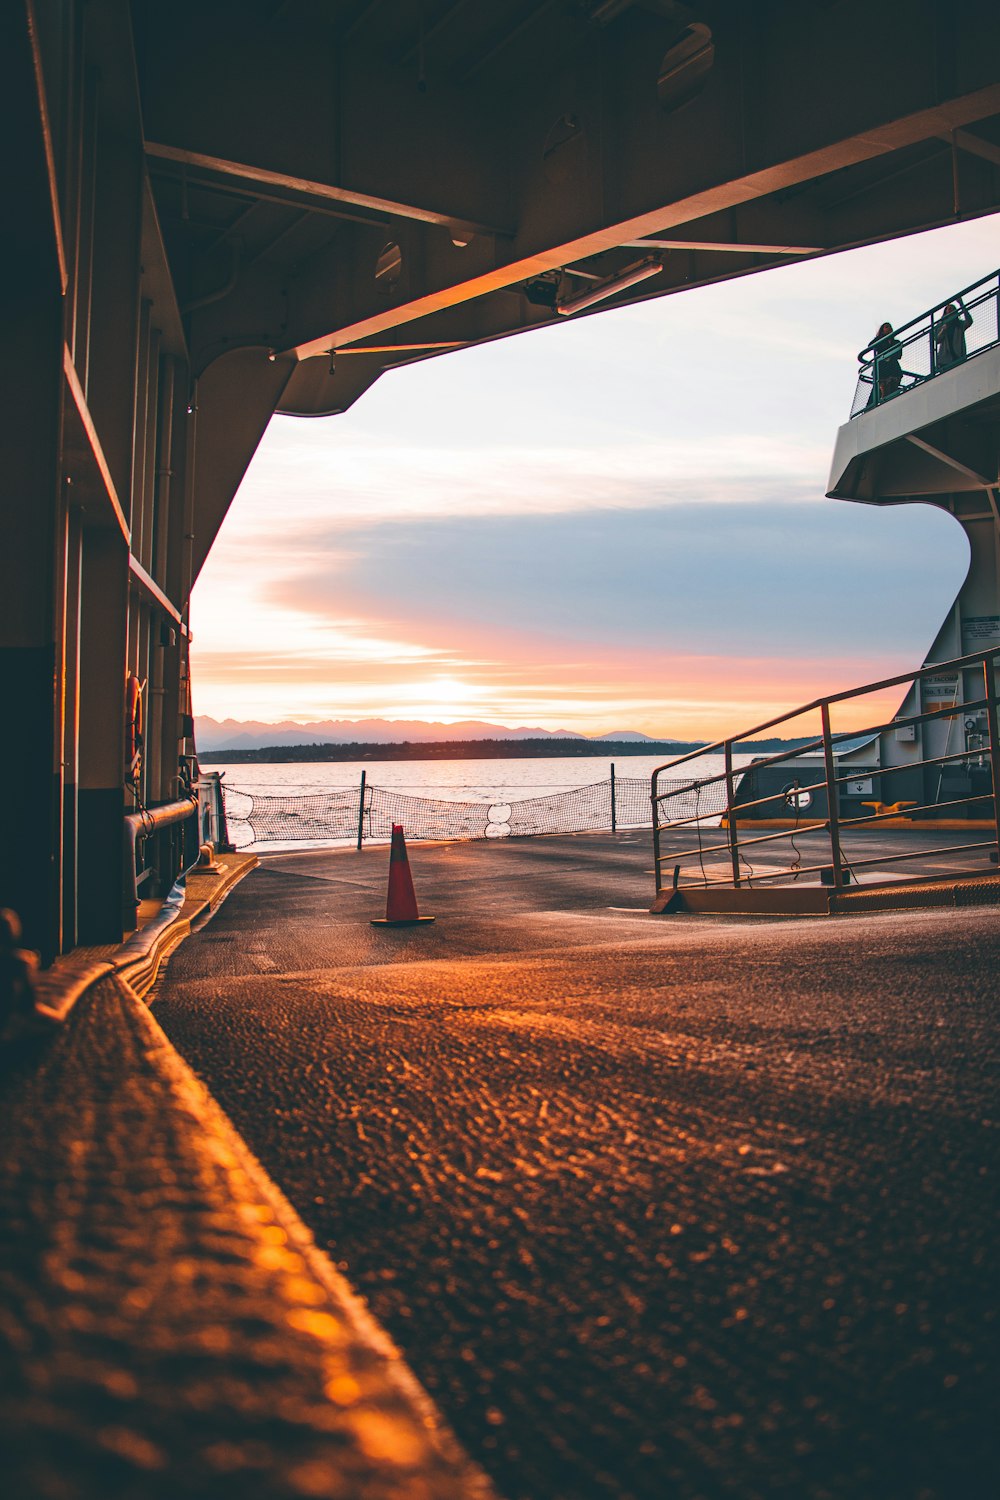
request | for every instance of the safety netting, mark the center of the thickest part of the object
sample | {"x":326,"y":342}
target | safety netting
{"x":338,"y":815}
{"x":682,"y":801}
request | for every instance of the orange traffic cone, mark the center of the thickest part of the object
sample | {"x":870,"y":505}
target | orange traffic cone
{"x":401,"y":902}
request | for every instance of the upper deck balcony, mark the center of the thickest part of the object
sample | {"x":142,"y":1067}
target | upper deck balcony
{"x":925,"y":420}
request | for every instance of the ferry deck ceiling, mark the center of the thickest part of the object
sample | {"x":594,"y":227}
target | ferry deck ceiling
{"x":222,"y":210}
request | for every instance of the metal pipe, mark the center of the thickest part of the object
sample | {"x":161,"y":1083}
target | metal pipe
{"x":804,"y":828}
{"x":861,"y":864}
{"x":785,"y":833}
{"x":164,"y":471}
{"x":738,"y":807}
{"x":764,"y":838}
{"x":788,"y":872}
{"x":139,"y":825}
{"x":893,"y":859}
{"x":781,"y":796}
{"x":679,"y":854}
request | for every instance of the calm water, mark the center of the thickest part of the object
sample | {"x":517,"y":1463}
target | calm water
{"x":476,"y":781}
{"x":455,"y":780}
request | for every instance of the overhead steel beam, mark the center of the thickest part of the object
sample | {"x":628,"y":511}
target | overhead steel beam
{"x":152,"y":591}
{"x":324,"y":191}
{"x":950,"y":461}
{"x":45,"y":123}
{"x":725,"y":248}
{"x":868,"y":145}
{"x":402,"y":348}
{"x":974,"y":145}
{"x":244,"y":191}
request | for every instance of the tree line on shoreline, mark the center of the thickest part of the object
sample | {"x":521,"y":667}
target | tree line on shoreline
{"x":477,"y":750}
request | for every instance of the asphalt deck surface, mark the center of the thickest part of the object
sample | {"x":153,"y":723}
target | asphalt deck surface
{"x":167,"y":1327}
{"x":654,"y":1206}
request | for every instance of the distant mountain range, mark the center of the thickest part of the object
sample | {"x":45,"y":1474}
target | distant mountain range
{"x":236,"y":734}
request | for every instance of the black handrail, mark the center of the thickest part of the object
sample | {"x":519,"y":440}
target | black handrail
{"x":869,"y":390}
{"x":665,"y":798}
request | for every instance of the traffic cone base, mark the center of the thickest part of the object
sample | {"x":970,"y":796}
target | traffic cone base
{"x":401,"y":901}
{"x":400,"y":921}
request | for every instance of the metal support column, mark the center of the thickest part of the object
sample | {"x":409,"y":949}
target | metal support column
{"x":734,"y":838}
{"x":104,"y":617}
{"x":32,"y":571}
{"x":990,"y":694}
{"x":832,"y":799}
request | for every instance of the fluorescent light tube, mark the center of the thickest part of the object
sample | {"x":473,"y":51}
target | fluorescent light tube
{"x":640,"y":271}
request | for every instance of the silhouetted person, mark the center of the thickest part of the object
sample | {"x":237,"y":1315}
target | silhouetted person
{"x":886,"y":373}
{"x":949,"y":337}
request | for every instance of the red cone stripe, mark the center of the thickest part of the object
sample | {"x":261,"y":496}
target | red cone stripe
{"x":401,"y":902}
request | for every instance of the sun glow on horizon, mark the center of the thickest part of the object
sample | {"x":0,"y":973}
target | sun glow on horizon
{"x":442,"y":700}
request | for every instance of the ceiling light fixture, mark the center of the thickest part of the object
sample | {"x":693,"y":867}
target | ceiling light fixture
{"x":640,"y":271}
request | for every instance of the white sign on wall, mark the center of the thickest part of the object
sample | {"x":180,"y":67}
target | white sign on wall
{"x":980,"y":632}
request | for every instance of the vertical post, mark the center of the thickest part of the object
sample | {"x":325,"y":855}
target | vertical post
{"x":361,"y":810}
{"x":71,"y":727}
{"x":989,"y":673}
{"x":832,"y":799}
{"x":225,"y":845}
{"x":932,"y":360}
{"x":734,"y":838}
{"x":32,"y":572}
{"x":656,"y":834}
{"x":104,"y":613}
{"x":614,"y":809}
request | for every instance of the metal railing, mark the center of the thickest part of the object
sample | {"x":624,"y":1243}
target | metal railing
{"x":922,"y":348}
{"x":807,"y":790}
{"x":145,"y":824}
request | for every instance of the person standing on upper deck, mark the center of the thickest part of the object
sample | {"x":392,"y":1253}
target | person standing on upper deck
{"x":885,"y":350}
{"x":949,"y":336}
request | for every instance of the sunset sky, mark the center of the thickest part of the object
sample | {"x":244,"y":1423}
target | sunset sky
{"x":613,"y":523}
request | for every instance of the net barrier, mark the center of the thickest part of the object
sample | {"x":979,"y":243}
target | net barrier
{"x":261,"y":818}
